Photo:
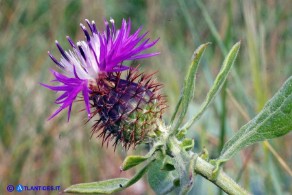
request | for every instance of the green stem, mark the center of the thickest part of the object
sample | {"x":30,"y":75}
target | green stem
{"x":202,"y":167}
{"x":223,"y":181}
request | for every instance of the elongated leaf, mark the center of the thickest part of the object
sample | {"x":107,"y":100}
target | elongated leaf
{"x":273,"y":121}
{"x":132,"y":161}
{"x":101,"y":187}
{"x":107,"y":186}
{"x":189,"y":84}
{"x":176,"y":110}
{"x":218,"y":83}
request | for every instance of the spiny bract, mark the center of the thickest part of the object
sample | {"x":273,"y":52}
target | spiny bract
{"x":128,"y":109}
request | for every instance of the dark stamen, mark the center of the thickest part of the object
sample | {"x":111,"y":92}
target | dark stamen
{"x":89,"y":25}
{"x":55,"y":60}
{"x":62,"y":51}
{"x":81,"y":51}
{"x":94,"y":29}
{"x":71,"y":42}
{"x":85,"y":32}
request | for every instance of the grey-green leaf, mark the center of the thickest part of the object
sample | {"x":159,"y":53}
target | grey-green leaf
{"x":273,"y":121}
{"x":189,"y":84}
{"x":218,"y":83}
{"x":188,"y":186}
{"x":132,"y":161}
{"x":162,"y":181}
{"x":101,"y":187}
{"x":108,"y":186}
{"x":168,"y":164}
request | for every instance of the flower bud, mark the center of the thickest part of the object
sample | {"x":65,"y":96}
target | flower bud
{"x":127,"y":108}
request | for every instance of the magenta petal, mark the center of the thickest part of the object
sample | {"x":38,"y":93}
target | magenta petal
{"x":86,"y":98}
{"x":70,"y":87}
{"x":120,"y":45}
{"x":144,"y":56}
{"x":56,"y":88}
{"x":108,"y":49}
{"x":55,"y":113}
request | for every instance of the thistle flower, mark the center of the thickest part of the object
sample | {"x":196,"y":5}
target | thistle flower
{"x":128,"y":108}
{"x":102,"y":52}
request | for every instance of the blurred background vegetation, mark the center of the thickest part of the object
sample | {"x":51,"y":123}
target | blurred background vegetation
{"x":34,"y":151}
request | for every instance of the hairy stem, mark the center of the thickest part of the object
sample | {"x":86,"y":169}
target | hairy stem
{"x":223,"y":181}
{"x":201,"y":167}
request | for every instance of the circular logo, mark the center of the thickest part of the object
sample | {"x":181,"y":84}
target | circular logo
{"x":19,"y":188}
{"x":10,"y":188}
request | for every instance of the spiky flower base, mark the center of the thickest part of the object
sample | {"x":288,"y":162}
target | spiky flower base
{"x":127,"y":109}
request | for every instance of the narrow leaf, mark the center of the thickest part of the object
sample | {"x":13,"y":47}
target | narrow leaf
{"x":101,"y":187}
{"x":107,"y":186}
{"x":218,"y":83}
{"x":176,"y":110}
{"x":138,"y":175}
{"x":273,"y":121}
{"x":189,"y":84}
{"x":132,"y":161}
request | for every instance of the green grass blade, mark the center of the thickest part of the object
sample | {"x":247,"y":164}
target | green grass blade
{"x":223,"y":49}
{"x":212,"y":27}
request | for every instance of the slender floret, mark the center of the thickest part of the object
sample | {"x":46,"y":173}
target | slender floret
{"x":102,"y":52}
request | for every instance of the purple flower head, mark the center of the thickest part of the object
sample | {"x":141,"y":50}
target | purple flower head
{"x":101,"y":52}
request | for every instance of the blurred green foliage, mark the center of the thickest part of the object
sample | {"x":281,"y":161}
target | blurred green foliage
{"x":34,"y":151}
